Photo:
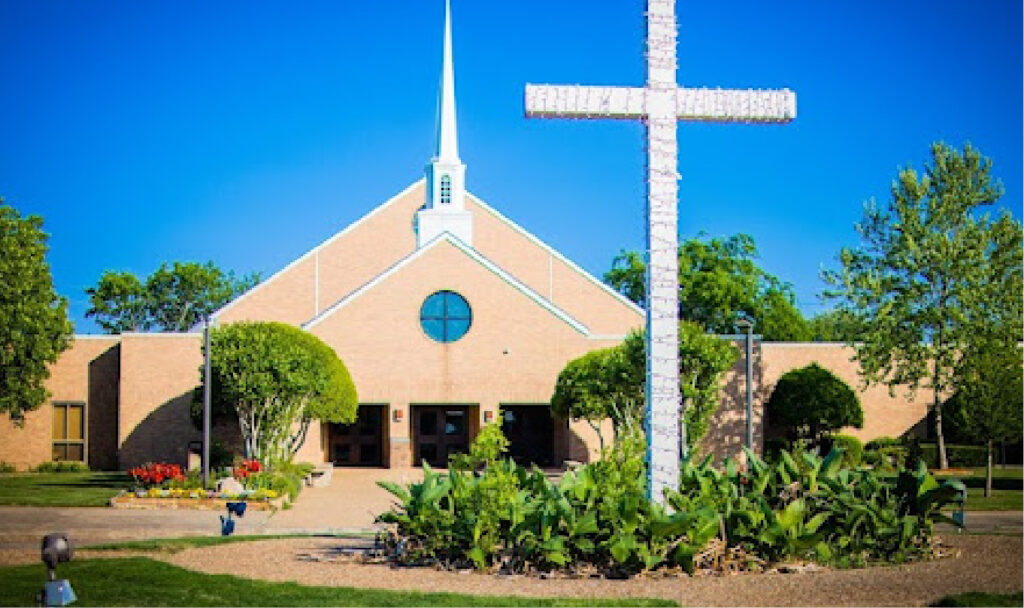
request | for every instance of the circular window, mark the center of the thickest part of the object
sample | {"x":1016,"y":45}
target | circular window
{"x":445,"y":316}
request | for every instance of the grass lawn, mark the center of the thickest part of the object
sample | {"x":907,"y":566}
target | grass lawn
{"x":175,"y":545}
{"x":1001,"y":500}
{"x":982,"y":599}
{"x":61,"y":489}
{"x":140,"y":581}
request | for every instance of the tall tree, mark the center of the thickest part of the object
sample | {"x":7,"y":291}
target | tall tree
{"x":34,"y":327}
{"x":832,"y":326}
{"x":719,"y":282}
{"x":173,"y":298}
{"x":987,"y":404}
{"x":911,"y":284}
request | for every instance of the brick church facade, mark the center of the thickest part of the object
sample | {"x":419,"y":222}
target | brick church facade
{"x":443,"y":309}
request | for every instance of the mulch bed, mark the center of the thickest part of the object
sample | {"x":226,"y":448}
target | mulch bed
{"x":976,"y":563}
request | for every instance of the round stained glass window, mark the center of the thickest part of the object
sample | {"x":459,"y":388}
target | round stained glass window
{"x":445,"y":316}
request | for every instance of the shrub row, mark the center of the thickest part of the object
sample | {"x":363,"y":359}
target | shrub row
{"x":505,"y":517}
{"x":958,"y":455}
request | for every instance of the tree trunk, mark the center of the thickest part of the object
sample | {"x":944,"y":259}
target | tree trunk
{"x":988,"y":472}
{"x":600,"y":436}
{"x":940,"y":439}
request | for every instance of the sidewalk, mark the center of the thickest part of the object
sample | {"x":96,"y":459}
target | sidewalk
{"x":349,"y":504}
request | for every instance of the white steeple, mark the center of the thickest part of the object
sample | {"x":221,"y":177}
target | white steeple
{"x":445,"y":209}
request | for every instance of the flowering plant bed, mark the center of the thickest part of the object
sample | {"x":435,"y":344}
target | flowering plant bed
{"x":194,"y":499}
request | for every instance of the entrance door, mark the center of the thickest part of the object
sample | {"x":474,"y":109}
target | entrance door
{"x":360,"y":444}
{"x":530,"y":431}
{"x":438,"y":432}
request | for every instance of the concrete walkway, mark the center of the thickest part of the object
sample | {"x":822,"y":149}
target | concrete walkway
{"x":349,"y":504}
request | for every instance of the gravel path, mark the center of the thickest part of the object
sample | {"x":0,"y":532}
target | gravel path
{"x":986,"y":563}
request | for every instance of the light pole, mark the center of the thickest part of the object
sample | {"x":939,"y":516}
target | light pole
{"x":206,"y":401}
{"x":746,"y":326}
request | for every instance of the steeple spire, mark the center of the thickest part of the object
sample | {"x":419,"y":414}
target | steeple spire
{"x":447,"y":132}
{"x":445,"y":208}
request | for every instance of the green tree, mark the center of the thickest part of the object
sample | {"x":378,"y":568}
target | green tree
{"x":173,"y":298}
{"x":34,"y":327}
{"x":609,"y":383}
{"x":810,"y":403}
{"x":912,"y":285}
{"x":276,"y":379}
{"x":832,"y":326}
{"x":719,"y":282}
{"x":119,"y":303}
{"x":601,"y":384}
{"x":987,"y":404}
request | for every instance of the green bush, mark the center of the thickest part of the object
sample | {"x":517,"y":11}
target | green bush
{"x":6,"y":467}
{"x":884,"y":442}
{"x":505,"y":517}
{"x":960,"y":456}
{"x":853,"y":450}
{"x":62,"y":466}
{"x":811,"y":402}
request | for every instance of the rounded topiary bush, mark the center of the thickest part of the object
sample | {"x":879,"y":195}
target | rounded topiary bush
{"x":811,"y":402}
{"x":853,"y":449}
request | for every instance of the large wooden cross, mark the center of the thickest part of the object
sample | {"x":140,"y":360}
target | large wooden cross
{"x":659,"y":105}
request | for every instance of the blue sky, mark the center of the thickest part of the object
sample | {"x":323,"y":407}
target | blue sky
{"x":247,"y":132}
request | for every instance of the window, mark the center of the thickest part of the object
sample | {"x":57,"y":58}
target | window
{"x":445,"y":316}
{"x":69,"y":431}
{"x":446,"y":190}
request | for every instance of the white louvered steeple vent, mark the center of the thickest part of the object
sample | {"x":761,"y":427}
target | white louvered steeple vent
{"x":445,"y":209}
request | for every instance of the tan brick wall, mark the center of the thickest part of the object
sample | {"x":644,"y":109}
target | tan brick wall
{"x":727,"y":432}
{"x":158,"y":374}
{"x":884,"y":415}
{"x":512,"y":353}
{"x":30,"y":445}
{"x":548,"y":275}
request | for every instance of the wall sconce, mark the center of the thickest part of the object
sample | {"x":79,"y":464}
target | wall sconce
{"x":488,"y":416}
{"x":398,"y":415}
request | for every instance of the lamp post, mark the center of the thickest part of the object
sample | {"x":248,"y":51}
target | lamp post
{"x":746,"y":326}
{"x":206,"y":401}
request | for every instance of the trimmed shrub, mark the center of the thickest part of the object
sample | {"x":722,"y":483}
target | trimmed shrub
{"x":883,"y":442}
{"x":959,"y":456}
{"x":853,"y":450}
{"x":62,"y":466}
{"x":811,"y":402}
{"x":6,"y":467}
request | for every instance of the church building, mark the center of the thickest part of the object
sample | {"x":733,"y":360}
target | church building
{"x":444,"y":311}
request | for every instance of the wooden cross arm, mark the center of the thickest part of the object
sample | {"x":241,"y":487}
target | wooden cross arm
{"x":706,"y":105}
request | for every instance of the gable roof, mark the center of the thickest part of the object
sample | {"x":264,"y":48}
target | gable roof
{"x":315,"y":250}
{"x":484,"y":207}
{"x":474,"y":255}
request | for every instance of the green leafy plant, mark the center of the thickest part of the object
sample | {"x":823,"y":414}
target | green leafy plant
{"x":62,"y":466}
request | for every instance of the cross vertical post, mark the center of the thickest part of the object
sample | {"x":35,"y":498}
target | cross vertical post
{"x":659,"y":105}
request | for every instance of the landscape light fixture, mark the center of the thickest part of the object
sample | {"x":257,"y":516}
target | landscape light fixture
{"x":56,"y":549}
{"x":227,"y":524}
{"x":746,"y":326}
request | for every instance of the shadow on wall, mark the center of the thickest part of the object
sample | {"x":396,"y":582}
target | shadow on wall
{"x":727,"y":430}
{"x":162,"y":436}
{"x":103,"y":381}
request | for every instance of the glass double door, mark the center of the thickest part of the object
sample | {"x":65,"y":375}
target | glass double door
{"x":438,"y":432}
{"x":360,"y":444}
